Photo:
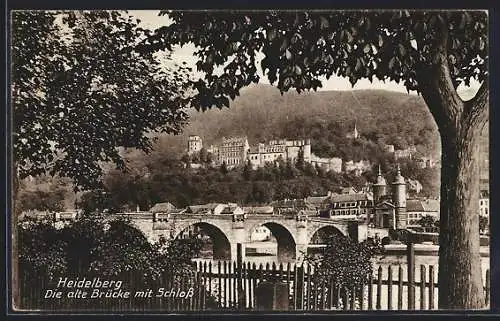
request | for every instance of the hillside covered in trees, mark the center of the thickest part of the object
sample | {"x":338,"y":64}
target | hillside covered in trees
{"x":261,"y":113}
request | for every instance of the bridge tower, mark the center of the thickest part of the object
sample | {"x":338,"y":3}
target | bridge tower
{"x":380,"y":187}
{"x":399,"y":199}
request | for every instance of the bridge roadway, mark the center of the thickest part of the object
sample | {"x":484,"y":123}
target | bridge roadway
{"x":294,"y":233}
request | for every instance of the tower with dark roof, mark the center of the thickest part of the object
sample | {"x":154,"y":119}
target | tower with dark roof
{"x":380,"y":187}
{"x":399,"y":199}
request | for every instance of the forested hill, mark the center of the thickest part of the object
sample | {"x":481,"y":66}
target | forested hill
{"x":262,"y":113}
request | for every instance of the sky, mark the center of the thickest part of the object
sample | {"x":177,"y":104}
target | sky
{"x":150,"y":19}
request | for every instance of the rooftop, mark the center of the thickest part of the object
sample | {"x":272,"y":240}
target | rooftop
{"x":202,"y":208}
{"x":162,"y":207}
{"x":229,"y":209}
{"x":259,"y":210}
{"x":316,"y":200}
{"x":335,"y":198}
{"x":428,"y":205}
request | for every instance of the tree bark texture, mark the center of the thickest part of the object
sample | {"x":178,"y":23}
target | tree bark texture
{"x":460,"y":124}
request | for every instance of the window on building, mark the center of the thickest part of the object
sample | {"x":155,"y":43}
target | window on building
{"x":486,"y":211}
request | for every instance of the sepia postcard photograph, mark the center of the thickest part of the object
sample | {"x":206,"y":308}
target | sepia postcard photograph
{"x":239,"y":161}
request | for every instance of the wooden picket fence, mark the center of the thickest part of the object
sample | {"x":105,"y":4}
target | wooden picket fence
{"x":232,"y":286}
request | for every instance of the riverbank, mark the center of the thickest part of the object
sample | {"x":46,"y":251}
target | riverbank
{"x":425,"y":250}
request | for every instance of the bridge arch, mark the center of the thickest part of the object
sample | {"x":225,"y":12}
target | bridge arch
{"x":322,"y":233}
{"x":284,"y":236}
{"x":221,"y":245}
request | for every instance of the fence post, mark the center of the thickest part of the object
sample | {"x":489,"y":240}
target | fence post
{"x":379,"y":288}
{"x":411,"y":275}
{"x":389,"y":288}
{"x":288,"y":281}
{"x":299,"y":298}
{"x":431,"y":287}
{"x":220,"y":289}
{"x":400,"y":288}
{"x":370,"y":291}
{"x":241,"y":294}
{"x":422,"y":287}
{"x":308,"y":288}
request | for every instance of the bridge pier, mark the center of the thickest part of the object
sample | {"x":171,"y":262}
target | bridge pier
{"x":358,"y":231}
{"x":300,"y":252}
{"x":234,"y":251}
{"x":302,"y":238}
{"x":238,"y":231}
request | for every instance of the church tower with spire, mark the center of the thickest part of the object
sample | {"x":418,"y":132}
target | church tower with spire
{"x":355,"y":133}
{"x":380,"y":187}
{"x":399,"y":199}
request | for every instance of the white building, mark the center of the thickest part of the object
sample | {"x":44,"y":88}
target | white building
{"x":279,"y":149}
{"x":388,"y":148}
{"x":414,"y":185}
{"x":425,"y":162}
{"x":232,"y":151}
{"x":195,"y":144}
{"x":405,"y":153}
{"x":358,"y":167}
{"x":484,"y":204}
{"x":259,"y":234}
{"x":328,"y":164}
{"x":416,"y":209}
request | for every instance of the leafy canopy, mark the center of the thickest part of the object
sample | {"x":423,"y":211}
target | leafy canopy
{"x":80,"y":89}
{"x":427,"y":221}
{"x":348,"y":262}
{"x":301,"y":47}
{"x":104,"y":247}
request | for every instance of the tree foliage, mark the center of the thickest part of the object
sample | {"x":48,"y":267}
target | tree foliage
{"x":347,"y":261}
{"x":427,"y":221}
{"x":80,"y":89}
{"x":300,"y":47}
{"x":42,"y":200}
{"x":169,"y":181}
{"x":92,"y":244}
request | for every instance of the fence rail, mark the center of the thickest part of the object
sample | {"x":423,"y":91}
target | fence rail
{"x":232,"y":286}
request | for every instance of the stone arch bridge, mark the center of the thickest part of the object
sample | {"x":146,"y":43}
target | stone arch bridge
{"x":294,"y":233}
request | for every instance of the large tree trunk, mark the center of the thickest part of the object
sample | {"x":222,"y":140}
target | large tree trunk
{"x":460,"y":124}
{"x":460,"y":273}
